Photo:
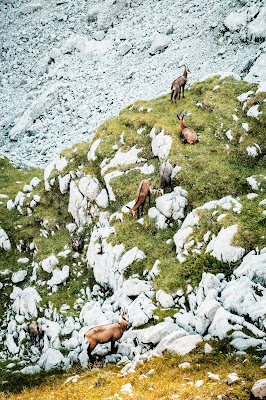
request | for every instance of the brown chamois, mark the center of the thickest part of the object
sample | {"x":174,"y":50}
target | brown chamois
{"x":142,"y":192}
{"x":35,"y":332}
{"x":179,"y":84}
{"x":166,"y":170}
{"x":106,"y":333}
{"x":187,"y":135}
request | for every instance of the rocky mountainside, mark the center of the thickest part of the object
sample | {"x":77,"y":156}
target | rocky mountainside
{"x":68,"y":66}
{"x":191,"y":270}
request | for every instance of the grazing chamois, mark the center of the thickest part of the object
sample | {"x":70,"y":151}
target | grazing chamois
{"x":187,"y":135}
{"x":106,"y":333}
{"x":142,"y":192}
{"x":77,"y":244}
{"x":179,"y":84}
{"x":35,"y":331}
{"x":166,"y":170}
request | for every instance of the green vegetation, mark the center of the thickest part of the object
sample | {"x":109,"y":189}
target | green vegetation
{"x":213,"y":168}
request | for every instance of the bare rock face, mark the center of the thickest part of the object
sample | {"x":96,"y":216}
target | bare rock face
{"x":259,"y":389}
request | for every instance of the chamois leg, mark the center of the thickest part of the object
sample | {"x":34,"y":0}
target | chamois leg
{"x":89,"y":351}
{"x":89,"y":355}
{"x":170,"y":183}
{"x":112,"y":346}
{"x":183,"y":90}
{"x":172,"y":93}
{"x":142,"y":208}
{"x":176,"y":93}
{"x":149,"y":194}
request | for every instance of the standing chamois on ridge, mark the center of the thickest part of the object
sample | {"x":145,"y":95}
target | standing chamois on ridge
{"x":187,"y":135}
{"x":142,"y":193}
{"x":106,"y":333}
{"x":179,"y":84}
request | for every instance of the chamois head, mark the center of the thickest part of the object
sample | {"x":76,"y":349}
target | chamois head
{"x":186,"y":70}
{"x":160,"y":192}
{"x":131,"y":212}
{"x":124,"y":315}
{"x":182,"y":115}
{"x":77,"y":244}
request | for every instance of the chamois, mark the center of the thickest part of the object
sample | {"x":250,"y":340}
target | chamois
{"x":187,"y":135}
{"x":77,"y":244}
{"x":106,"y":333}
{"x":179,"y":84}
{"x":142,"y":192}
{"x":165,"y":175}
{"x":35,"y":332}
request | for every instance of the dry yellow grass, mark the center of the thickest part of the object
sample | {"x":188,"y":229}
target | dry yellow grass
{"x":167,"y":381}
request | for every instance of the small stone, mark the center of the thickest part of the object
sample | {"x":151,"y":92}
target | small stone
{"x":232,"y":378}
{"x":213,"y":376}
{"x":207,"y":348}
{"x":184,"y":365}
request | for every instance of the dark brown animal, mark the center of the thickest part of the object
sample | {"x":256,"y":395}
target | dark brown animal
{"x":166,"y":170}
{"x":142,"y":193}
{"x":77,"y":244}
{"x":179,"y":85}
{"x":106,"y":333}
{"x":187,"y":135}
{"x":35,"y":331}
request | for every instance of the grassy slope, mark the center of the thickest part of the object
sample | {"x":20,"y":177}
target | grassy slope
{"x":210,"y":170}
{"x":168,"y":379}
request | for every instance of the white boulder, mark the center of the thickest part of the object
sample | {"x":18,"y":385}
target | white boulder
{"x":19,"y":276}
{"x":4,"y":240}
{"x":166,"y":300}
{"x":89,"y":187}
{"x":49,"y":263}
{"x":184,"y":344}
{"x":133,"y":287}
{"x":161,"y":144}
{"x":173,"y":204}
{"x":59,"y":276}
{"x":52,"y":358}
{"x":221,"y":248}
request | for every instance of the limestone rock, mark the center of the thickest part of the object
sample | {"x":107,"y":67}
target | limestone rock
{"x":257,"y":28}
{"x":4,"y":240}
{"x":133,"y":287}
{"x":59,"y":276}
{"x":184,"y":344}
{"x":78,"y":205}
{"x":235,"y":21}
{"x":166,"y":300}
{"x":30,"y":8}
{"x":52,"y":358}
{"x":123,"y":158}
{"x":19,"y":276}
{"x":253,"y":266}
{"x":221,"y":248}
{"x":173,"y":204}
{"x":89,"y":187}
{"x":160,"y":43}
{"x":102,"y":200}
{"x":64,"y":183}
{"x":161,"y":144}
{"x":49,"y":263}
{"x":26,"y":302}
{"x":259,"y":389}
